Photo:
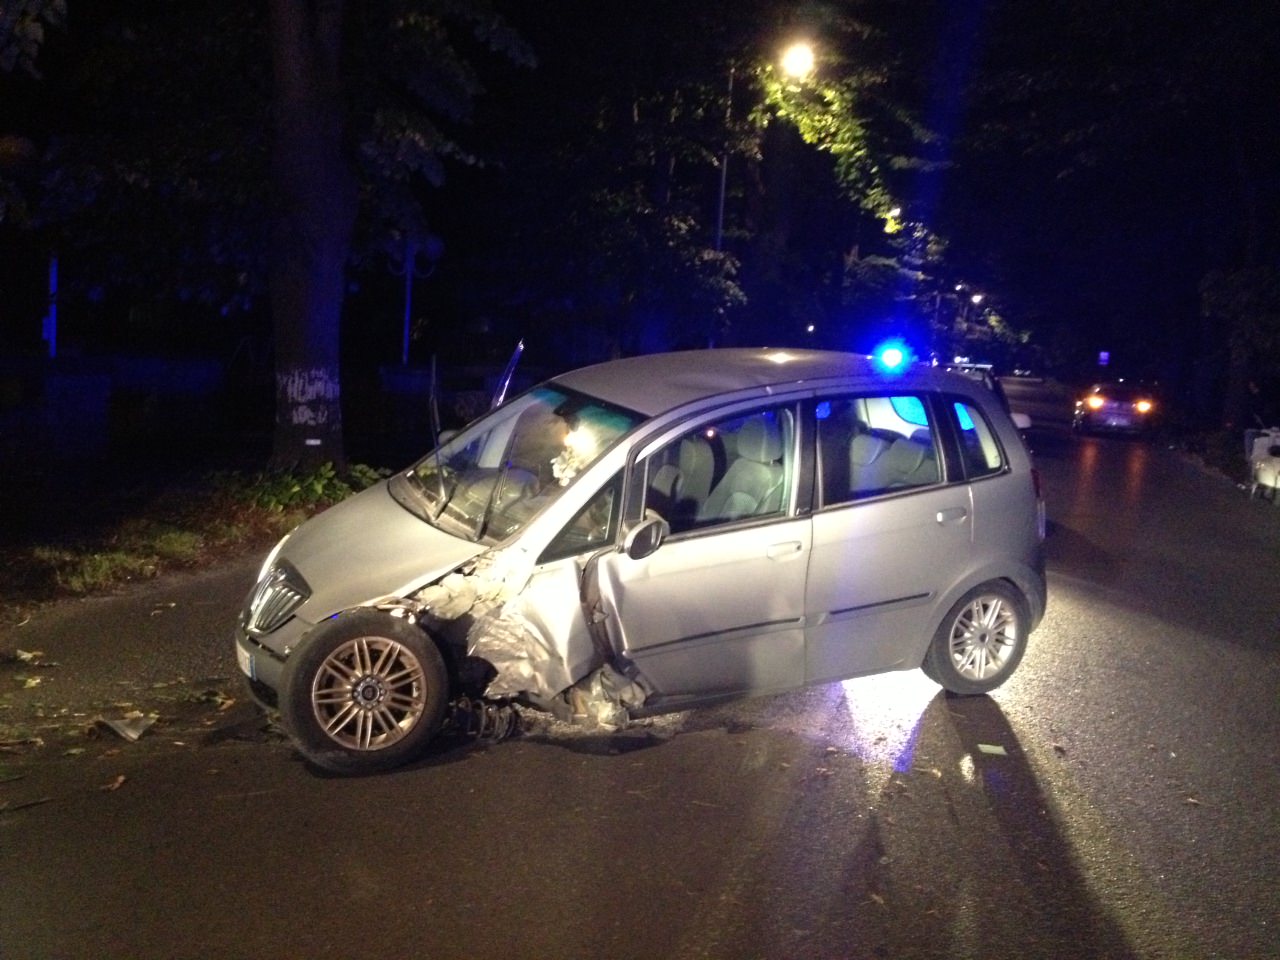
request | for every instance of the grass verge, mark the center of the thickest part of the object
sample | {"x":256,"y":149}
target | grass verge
{"x":186,"y":525}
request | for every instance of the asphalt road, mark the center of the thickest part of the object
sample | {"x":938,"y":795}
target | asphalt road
{"x":1116,"y":799}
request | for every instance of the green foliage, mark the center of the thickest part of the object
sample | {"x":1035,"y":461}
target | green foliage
{"x":280,"y":491}
{"x":827,"y":114}
{"x":187,"y":528}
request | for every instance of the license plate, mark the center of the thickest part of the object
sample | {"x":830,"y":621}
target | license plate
{"x":245,"y":659}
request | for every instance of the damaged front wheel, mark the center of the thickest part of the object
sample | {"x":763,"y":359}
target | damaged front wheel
{"x":366,"y":691}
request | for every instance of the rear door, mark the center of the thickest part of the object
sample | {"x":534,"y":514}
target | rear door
{"x":889,"y":533}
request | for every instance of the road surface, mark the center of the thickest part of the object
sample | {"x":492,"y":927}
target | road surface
{"x":1116,"y":799}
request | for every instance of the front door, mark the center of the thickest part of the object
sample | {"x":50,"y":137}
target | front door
{"x":718,"y":608}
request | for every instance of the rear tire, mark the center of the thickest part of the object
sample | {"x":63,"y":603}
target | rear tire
{"x":364,"y":692}
{"x":980,"y":641}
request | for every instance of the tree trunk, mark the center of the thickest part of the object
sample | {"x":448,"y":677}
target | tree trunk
{"x":315,"y":194}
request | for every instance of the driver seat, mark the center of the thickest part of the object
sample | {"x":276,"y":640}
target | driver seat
{"x":752,"y":486}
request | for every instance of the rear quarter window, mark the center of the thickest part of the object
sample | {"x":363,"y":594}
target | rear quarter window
{"x":979,"y":450}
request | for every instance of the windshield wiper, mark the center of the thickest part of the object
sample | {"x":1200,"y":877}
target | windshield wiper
{"x":482,"y":526}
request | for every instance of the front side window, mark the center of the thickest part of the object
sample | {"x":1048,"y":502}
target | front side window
{"x":736,"y":468}
{"x":871,"y":445}
{"x":490,"y":479}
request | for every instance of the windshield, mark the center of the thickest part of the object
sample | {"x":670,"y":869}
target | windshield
{"x":490,"y":479}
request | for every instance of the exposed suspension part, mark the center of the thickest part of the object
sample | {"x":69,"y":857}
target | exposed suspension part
{"x":489,"y":720}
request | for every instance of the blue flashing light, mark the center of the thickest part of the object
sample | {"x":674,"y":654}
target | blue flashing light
{"x":892,"y":356}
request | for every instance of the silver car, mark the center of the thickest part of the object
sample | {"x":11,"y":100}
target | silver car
{"x":653,"y":533}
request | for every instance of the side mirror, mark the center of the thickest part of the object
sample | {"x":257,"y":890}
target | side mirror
{"x":645,"y":537}
{"x":1021,"y":421}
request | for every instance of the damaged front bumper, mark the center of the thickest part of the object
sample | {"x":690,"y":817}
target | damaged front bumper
{"x":524,"y":626}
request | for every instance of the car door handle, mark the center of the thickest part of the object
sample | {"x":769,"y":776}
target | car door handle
{"x":780,"y":551}
{"x":953,"y":515}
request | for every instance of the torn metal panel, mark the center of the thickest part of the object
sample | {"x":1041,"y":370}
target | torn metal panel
{"x":490,"y":608}
{"x":531,"y":629}
{"x":604,"y":698}
{"x":525,"y":660}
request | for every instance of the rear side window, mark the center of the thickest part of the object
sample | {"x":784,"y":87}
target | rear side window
{"x":979,"y":450}
{"x":870,"y":445}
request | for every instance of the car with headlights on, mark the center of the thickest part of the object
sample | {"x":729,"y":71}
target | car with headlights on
{"x":1116,"y":407}
{"x":651,"y":534}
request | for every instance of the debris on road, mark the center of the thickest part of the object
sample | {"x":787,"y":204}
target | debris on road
{"x":115,"y":784}
{"x":30,"y":658}
{"x":992,"y":750}
{"x":131,"y":726}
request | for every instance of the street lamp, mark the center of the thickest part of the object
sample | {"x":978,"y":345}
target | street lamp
{"x":797,"y":60}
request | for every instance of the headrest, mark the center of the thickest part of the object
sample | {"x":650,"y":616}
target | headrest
{"x":905,"y":455}
{"x":865,"y":448}
{"x":760,"y":440}
{"x":696,"y":456}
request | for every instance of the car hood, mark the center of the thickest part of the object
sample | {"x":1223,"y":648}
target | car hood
{"x":367,"y":547}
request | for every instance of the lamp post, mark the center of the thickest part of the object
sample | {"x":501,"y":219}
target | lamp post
{"x":724,"y":166}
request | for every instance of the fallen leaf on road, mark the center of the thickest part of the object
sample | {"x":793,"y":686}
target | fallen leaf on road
{"x":1192,"y":802}
{"x":1059,"y":749}
{"x":13,"y":746}
{"x":114,"y":785}
{"x":29,"y":682}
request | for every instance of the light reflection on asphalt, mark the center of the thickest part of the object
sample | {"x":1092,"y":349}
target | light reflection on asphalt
{"x":884,"y":715}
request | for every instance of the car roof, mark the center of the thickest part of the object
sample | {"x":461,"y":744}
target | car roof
{"x":654,"y":383}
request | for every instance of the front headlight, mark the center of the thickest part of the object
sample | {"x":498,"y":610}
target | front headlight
{"x":279,"y":592}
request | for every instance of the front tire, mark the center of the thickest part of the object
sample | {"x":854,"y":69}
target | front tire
{"x":980,"y":641}
{"x":365,"y":692}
